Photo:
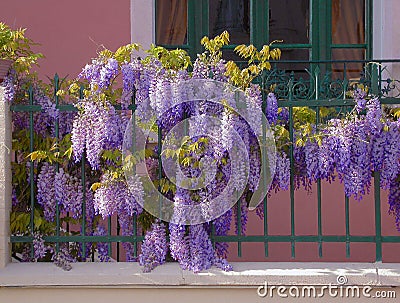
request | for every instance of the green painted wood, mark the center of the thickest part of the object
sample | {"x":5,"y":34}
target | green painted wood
{"x":259,"y":23}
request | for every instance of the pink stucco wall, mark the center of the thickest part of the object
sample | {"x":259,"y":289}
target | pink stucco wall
{"x":362,"y":222}
{"x":71,"y":31}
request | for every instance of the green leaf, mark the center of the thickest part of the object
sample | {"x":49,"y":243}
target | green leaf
{"x":96,"y":186}
{"x":68,"y":153}
{"x":299,"y":142}
{"x":38,"y":222}
{"x":34,"y":155}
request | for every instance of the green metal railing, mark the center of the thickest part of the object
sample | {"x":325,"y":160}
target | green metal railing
{"x":311,"y":88}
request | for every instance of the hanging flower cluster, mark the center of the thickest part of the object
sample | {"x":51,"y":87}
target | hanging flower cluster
{"x":84,"y":164}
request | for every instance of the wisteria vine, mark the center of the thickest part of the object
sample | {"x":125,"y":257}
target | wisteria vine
{"x":82,"y":163}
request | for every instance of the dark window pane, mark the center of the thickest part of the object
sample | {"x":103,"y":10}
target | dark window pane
{"x":232,"y":16}
{"x":301,"y":55}
{"x":289,"y":20}
{"x":352,"y":70}
{"x":348,"y":22}
{"x":171,"y":22}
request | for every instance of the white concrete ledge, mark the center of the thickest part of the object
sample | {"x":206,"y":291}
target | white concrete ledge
{"x":245,"y":274}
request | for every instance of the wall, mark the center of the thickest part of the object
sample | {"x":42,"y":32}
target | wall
{"x":163,"y":294}
{"x":69,"y":32}
{"x":386,"y":44}
{"x":105,"y":282}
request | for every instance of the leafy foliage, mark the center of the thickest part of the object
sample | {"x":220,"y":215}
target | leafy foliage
{"x":15,"y":46}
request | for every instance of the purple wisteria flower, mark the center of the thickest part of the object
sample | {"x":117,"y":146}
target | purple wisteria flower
{"x":391,"y":155}
{"x":102,"y":247}
{"x":63,"y":259}
{"x":46,"y":191}
{"x":359,"y":96}
{"x":91,"y":72}
{"x":179,"y":245}
{"x":154,"y":247}
{"x":201,"y":249}
{"x":394,"y":201}
{"x":115,"y":197}
{"x":96,"y":127}
{"x":9,"y":86}
{"x":69,"y":193}
{"x":39,"y":248}
{"x":48,"y":106}
{"x":200,"y":69}
{"x":107,"y":72}
{"x":272,"y":108}
{"x":282,"y":171}
{"x":283,"y":115}
{"x":373,"y":116}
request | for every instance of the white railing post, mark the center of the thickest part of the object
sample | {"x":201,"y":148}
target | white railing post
{"x":5,"y":180}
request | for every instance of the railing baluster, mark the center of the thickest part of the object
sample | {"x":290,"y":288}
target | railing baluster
{"x":264,"y":167}
{"x":83,"y":177}
{"x":291,"y":151}
{"x":31,"y":170}
{"x":134,"y":222}
{"x":378,"y":216}
{"x":347,"y":223}
{"x":56,"y":131}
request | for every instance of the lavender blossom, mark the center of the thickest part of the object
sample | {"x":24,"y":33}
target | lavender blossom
{"x":201,"y":249}
{"x":38,"y":247}
{"x":179,"y":245}
{"x":69,"y":193}
{"x":48,"y":107}
{"x":46,"y":191}
{"x":283,"y":115}
{"x":272,"y":108}
{"x":107,"y":72}
{"x":359,"y":96}
{"x":9,"y":87}
{"x":63,"y":259}
{"x":115,"y":197}
{"x":391,"y":156}
{"x":102,"y":247}
{"x":95,"y":128}
{"x":373,"y":116}
{"x":282,"y":171}
{"x":394,"y":201}
{"x":154,"y":247}
{"x":200,"y":69}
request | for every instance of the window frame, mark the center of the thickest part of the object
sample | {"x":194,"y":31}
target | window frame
{"x":320,"y":44}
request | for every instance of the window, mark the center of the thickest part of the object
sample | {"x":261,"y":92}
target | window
{"x":310,"y":29}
